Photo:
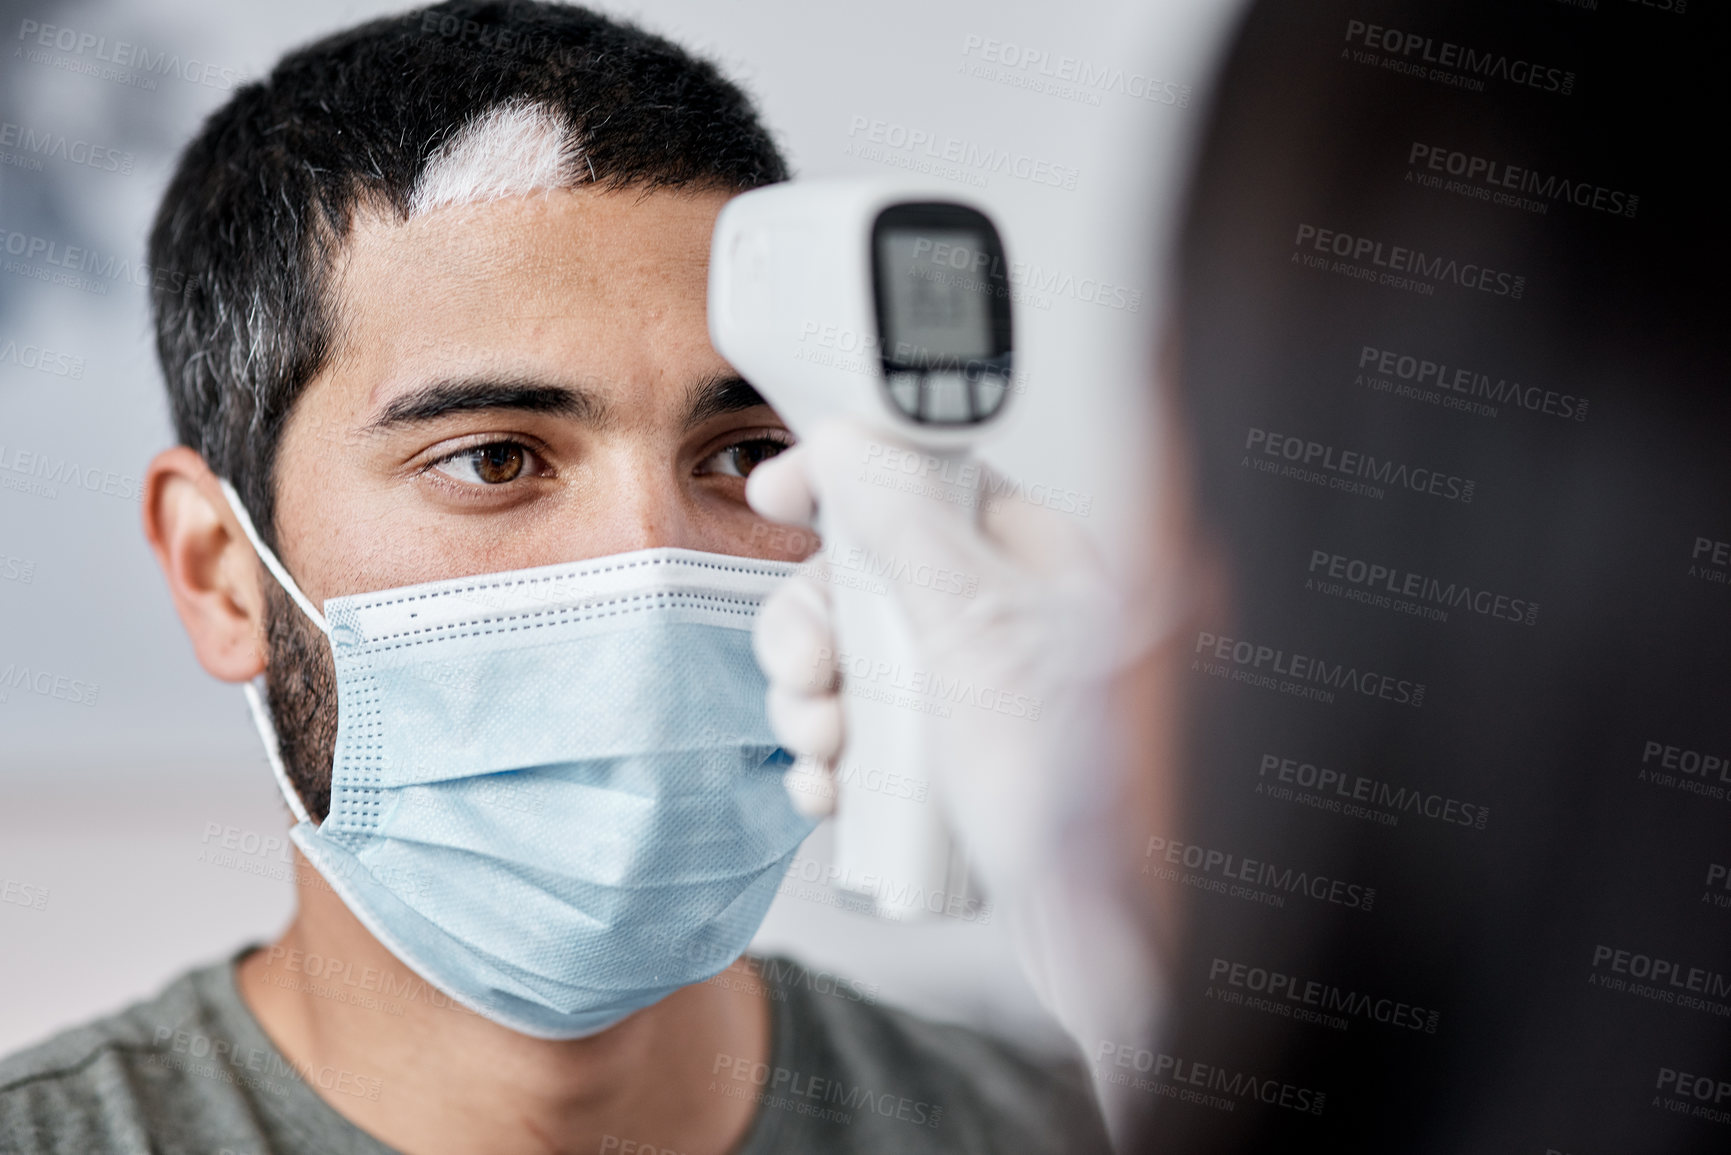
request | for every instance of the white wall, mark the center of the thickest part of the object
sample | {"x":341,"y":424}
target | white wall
{"x":110,"y":807}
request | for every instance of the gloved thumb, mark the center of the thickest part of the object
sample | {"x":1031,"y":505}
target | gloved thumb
{"x":911,"y":516}
{"x":780,"y":489}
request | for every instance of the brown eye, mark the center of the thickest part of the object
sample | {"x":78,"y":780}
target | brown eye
{"x":740,"y":458}
{"x":497,"y":463}
{"x":493,"y":464}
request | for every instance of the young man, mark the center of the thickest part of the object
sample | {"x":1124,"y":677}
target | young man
{"x":445,"y":319}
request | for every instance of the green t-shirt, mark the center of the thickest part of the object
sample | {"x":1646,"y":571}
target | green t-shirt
{"x":191,"y":1071}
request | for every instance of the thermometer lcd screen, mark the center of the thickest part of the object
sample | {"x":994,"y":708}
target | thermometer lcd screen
{"x":938,"y":296}
{"x":943,"y":306}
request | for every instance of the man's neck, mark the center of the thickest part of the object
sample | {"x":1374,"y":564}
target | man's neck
{"x":451,"y":1082}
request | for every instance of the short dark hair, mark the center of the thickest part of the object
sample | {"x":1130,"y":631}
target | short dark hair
{"x":265,"y":193}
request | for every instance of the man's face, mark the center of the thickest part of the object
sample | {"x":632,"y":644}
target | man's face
{"x":514,"y":384}
{"x":520,"y":383}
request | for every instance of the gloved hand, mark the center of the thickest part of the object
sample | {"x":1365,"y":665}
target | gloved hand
{"x":1042,"y":803}
{"x":1037,"y":616}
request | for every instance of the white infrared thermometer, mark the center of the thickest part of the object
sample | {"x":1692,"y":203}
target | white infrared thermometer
{"x":889,"y":304}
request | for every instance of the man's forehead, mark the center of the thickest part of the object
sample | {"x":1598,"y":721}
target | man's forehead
{"x":562,"y":238}
{"x":594,"y":291}
{"x":499,"y":286}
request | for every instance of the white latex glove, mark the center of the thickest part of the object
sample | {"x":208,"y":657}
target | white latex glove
{"x":1038,"y":617}
{"x":1035,"y":801}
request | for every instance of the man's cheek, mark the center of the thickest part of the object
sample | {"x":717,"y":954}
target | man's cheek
{"x":770,"y":539}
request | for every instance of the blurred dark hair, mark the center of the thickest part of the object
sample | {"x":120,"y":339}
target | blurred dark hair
{"x":263,"y":197}
{"x":1461,"y":465}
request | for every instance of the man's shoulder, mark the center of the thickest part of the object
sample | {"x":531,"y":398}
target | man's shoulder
{"x":963,"y":1089}
{"x":96,"y":1087}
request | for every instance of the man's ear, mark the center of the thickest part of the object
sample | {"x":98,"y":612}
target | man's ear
{"x":213,"y":574}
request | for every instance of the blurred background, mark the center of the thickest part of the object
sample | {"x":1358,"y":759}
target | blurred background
{"x":140,"y":831}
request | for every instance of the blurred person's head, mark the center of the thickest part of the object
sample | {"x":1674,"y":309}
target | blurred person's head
{"x":444,"y":314}
{"x":1450,"y":373}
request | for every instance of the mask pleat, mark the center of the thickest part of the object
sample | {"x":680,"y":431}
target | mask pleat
{"x":555,"y":792}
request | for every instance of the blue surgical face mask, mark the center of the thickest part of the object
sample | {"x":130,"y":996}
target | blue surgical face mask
{"x":555,"y":794}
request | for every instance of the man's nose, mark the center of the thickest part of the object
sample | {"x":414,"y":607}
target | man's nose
{"x":638,"y":504}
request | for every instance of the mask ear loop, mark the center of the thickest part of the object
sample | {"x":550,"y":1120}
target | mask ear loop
{"x":255,"y":702}
{"x":270,"y":560}
{"x":272,"y":751}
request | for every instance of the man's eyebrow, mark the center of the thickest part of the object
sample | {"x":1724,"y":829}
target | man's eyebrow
{"x":435,"y":400}
{"x":715,"y":396}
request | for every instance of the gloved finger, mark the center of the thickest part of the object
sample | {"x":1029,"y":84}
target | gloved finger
{"x":806,"y":724}
{"x":780,"y":490}
{"x":810,"y":785}
{"x":915,"y":514}
{"x":1043,"y":540}
{"x":794,"y":640}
